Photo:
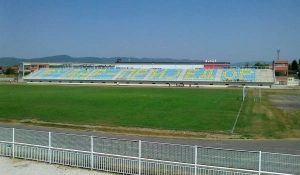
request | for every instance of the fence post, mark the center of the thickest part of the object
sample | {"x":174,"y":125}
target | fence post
{"x":259,"y":165}
{"x":13,"y":144}
{"x":196,"y":156}
{"x":49,"y":149}
{"x":92,"y":150}
{"x":140,"y":156}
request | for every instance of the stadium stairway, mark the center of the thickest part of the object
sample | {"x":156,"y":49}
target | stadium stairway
{"x":133,"y":74}
{"x":183,"y":72}
{"x":149,"y":74}
{"x":218,"y":75}
{"x":89,"y":75}
{"x":65,"y":73}
{"x":116,"y":77}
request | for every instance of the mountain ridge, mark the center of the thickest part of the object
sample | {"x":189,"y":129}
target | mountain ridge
{"x":11,"y":61}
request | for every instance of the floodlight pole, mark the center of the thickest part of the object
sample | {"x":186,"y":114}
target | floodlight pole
{"x":278,"y":51}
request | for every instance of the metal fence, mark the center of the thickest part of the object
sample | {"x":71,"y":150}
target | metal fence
{"x":140,"y":157}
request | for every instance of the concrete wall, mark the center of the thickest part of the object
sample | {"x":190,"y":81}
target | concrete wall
{"x":166,"y":83}
{"x":6,"y":79}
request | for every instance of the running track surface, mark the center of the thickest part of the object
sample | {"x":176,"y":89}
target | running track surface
{"x":285,"y":146}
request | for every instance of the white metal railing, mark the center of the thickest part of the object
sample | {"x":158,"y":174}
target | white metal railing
{"x":140,"y":157}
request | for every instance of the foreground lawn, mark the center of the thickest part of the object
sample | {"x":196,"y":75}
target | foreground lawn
{"x":185,"y":109}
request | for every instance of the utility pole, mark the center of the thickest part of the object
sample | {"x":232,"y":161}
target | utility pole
{"x":278,"y":51}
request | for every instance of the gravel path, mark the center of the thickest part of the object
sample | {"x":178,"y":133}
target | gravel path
{"x":9,"y":166}
{"x":286,"y":102}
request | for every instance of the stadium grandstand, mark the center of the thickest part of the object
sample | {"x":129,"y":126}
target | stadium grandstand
{"x":162,"y":73}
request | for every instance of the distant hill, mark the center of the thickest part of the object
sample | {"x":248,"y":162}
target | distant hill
{"x":11,"y":61}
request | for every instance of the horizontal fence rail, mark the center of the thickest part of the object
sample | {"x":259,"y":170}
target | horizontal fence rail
{"x":140,"y":157}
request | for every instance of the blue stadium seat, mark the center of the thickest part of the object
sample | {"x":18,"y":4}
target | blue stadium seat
{"x":237,"y":74}
{"x":76,"y":73}
{"x":53,"y":73}
{"x":38,"y":73}
{"x":165,"y":75}
{"x":104,"y":74}
{"x":200,"y":74}
{"x":134,"y":74}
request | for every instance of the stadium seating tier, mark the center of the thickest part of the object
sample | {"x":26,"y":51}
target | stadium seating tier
{"x":225,"y":74}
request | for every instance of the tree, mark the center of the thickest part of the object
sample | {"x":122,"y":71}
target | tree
{"x":294,"y":65}
{"x":257,"y":64}
{"x":260,"y":64}
{"x":9,"y":71}
{"x":289,"y":66}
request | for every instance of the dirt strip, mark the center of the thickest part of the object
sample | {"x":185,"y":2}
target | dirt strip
{"x":9,"y":166}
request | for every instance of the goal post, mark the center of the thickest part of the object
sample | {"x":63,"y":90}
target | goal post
{"x":244,"y":92}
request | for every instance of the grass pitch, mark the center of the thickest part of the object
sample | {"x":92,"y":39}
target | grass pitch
{"x":261,"y":119}
{"x":211,"y":110}
{"x":189,"y":109}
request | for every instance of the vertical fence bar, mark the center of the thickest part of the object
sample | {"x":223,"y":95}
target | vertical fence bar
{"x":13,"y":144}
{"x":259,"y":163}
{"x":49,"y":149}
{"x":140,"y":156}
{"x":64,"y":157}
{"x":196,"y":153}
{"x":92,"y":150}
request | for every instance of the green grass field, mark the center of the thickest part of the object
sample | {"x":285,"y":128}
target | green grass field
{"x":191,"y":109}
{"x":211,"y":110}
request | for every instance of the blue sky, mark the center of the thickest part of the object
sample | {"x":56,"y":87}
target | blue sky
{"x":226,"y":30}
